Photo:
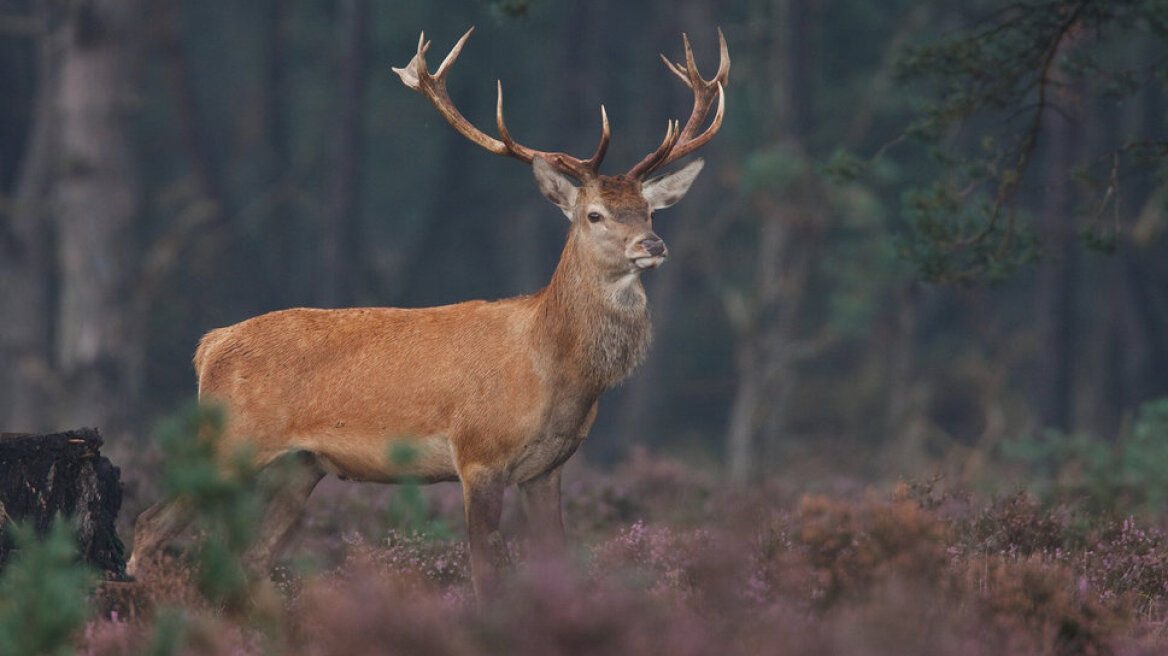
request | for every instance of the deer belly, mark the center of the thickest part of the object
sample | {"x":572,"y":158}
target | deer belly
{"x":385,"y":459}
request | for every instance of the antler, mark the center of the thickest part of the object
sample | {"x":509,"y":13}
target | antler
{"x":680,"y":142}
{"x":417,"y":77}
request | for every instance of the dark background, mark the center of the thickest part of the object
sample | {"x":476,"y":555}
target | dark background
{"x":926,"y":227}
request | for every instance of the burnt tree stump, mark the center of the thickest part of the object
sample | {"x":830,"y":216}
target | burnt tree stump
{"x":42,"y":476}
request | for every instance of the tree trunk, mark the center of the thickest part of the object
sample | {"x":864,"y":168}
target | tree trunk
{"x":788,"y":234}
{"x":191,"y":126}
{"x":25,"y":376}
{"x":99,"y":346}
{"x":340,"y":248}
{"x":1055,"y":302}
{"x":741,"y":433}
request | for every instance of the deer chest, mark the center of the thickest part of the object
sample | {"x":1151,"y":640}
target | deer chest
{"x":567,"y":426}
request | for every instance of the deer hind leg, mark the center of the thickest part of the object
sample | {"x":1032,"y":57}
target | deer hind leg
{"x":482,"y":492}
{"x":543,"y":517}
{"x":154,"y":528}
{"x":286,"y":485}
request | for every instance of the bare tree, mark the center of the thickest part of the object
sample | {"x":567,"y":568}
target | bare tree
{"x":25,"y":265}
{"x":340,"y":240}
{"x":95,"y":204}
{"x":1055,"y":296}
{"x":767,"y":315}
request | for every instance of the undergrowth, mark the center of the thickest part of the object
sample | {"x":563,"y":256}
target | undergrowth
{"x":43,"y":592}
{"x":1127,"y":475}
{"x":918,"y":569}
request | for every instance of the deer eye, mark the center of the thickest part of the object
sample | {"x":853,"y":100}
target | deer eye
{"x":594,"y":216}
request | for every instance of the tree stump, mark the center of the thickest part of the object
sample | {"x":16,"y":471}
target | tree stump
{"x":42,"y":476}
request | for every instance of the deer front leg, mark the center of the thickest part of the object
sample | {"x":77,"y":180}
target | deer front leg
{"x":482,"y":492}
{"x":155,"y":528}
{"x":544,"y":518}
{"x":286,"y":484}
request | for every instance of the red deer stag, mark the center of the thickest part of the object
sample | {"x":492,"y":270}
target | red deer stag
{"x":487,"y":393}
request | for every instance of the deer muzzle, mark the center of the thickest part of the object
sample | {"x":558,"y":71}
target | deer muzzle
{"x":654,"y":246}
{"x":655,"y":252}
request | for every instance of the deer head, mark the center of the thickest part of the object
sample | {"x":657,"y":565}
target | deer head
{"x":611,"y":215}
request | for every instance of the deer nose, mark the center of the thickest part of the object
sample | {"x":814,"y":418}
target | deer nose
{"x":654,"y":246}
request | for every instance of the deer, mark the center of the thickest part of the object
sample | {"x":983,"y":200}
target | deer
{"x":488,"y":393}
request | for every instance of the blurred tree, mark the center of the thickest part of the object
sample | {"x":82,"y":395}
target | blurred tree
{"x":768,"y":312}
{"x":1055,"y":298}
{"x":992,"y":86}
{"x":339,"y":247}
{"x":78,"y":182}
{"x":25,"y":376}
{"x":209,"y":192}
{"x":94,"y":201}
{"x":1033,"y":109}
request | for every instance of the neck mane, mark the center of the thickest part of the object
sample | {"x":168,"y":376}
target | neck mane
{"x":596,"y":324}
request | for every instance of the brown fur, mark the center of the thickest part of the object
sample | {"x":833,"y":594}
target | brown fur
{"x":489,"y":393}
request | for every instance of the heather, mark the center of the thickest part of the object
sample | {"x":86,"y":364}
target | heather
{"x":1041,"y":555}
{"x":667,"y":558}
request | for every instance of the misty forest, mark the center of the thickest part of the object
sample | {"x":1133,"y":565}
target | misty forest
{"x":907,"y":390}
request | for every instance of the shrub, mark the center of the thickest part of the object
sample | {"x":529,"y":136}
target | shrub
{"x":43,"y":592}
{"x":1129,"y":476}
{"x":922,"y":570}
{"x":225,"y":502}
{"x":1015,"y":524}
{"x":850,"y":546}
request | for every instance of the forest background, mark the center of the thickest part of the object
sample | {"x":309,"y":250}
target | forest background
{"x":927,"y":229}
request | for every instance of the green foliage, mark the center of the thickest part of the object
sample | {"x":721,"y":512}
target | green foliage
{"x":952,"y":240}
{"x":775,"y":169}
{"x":407,"y":510}
{"x":989,"y":66}
{"x":169,"y":632}
{"x":1128,"y":476}
{"x":844,"y":166}
{"x":986,"y":92}
{"x":224,"y":500}
{"x":43,"y":592}
{"x":509,"y":10}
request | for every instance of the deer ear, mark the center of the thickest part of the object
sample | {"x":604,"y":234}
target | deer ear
{"x":665,"y":190}
{"x":554,"y":186}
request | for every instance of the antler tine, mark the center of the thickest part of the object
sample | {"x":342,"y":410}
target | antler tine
{"x":691,"y":67}
{"x":687,"y":142}
{"x":423,"y":46}
{"x":453,"y":55}
{"x":652,"y":161}
{"x":677,"y":70}
{"x":501,"y":124}
{"x":577,"y":168}
{"x":417,"y":77}
{"x":679,"y":143}
{"x":433,"y":86}
{"x":594,"y":161}
{"x":723,"y":74}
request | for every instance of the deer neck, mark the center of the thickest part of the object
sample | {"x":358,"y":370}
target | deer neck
{"x":595,"y":323}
